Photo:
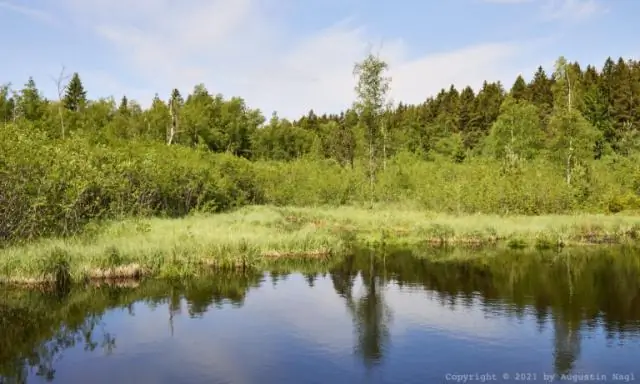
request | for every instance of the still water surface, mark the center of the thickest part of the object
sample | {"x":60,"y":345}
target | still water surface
{"x":366,"y":320}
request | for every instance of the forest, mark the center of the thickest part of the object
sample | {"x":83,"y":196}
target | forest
{"x":563,"y":142}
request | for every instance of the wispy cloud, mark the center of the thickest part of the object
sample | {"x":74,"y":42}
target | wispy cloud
{"x":29,"y":12}
{"x":249,"y":48}
{"x":561,"y":10}
{"x":572,"y":10}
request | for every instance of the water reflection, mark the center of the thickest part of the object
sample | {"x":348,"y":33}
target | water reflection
{"x":573,"y":295}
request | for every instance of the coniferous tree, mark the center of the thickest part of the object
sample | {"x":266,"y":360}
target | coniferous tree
{"x":541,"y":94}
{"x":449,"y":112}
{"x":30,"y":103}
{"x":519,"y":89}
{"x":467,"y":104}
{"x":486,"y":111}
{"x":451,"y":123}
{"x":123,"y":108}
{"x":75,"y":97}
{"x":621,"y":96}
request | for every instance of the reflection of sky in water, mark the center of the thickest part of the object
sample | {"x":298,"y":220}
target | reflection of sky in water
{"x":294,"y":333}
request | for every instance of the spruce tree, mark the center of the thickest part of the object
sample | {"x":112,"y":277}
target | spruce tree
{"x":75,"y":97}
{"x":123,"y":108}
{"x":30,"y":103}
{"x":487,"y":110}
{"x":541,"y":93}
{"x":519,"y":89}
{"x":621,"y":96}
{"x":467,"y":100}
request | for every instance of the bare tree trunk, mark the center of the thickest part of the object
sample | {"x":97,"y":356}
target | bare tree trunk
{"x":15,"y":110}
{"x":569,"y":96}
{"x":61,"y":88}
{"x":569,"y":162}
{"x":384,"y":146}
{"x":173,"y":126}
{"x":371,"y":170}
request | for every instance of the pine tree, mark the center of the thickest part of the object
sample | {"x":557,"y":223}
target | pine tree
{"x":75,"y":97}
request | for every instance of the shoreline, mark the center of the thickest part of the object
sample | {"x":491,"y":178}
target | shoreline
{"x":256,"y":236}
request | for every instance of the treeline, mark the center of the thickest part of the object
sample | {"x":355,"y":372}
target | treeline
{"x":456,"y":123}
{"x":563,"y":142}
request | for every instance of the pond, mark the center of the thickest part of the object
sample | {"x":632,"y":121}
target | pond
{"x":401,"y":317}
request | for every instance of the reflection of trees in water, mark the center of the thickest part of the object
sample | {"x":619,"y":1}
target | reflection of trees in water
{"x":36,"y":327}
{"x":572,"y":292}
{"x":370,"y":312}
{"x":23,"y":328}
{"x":566,"y":344}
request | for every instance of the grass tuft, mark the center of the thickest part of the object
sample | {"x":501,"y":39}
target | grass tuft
{"x":254,"y":236}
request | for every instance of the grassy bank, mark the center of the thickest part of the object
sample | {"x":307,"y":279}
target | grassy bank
{"x":253,"y":237}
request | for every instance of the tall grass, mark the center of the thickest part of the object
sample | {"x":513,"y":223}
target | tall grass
{"x":252,"y":237}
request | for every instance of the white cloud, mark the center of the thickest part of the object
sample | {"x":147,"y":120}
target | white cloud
{"x":572,"y":10}
{"x":28,"y":11}
{"x":244,"y":48}
{"x":562,"y":10}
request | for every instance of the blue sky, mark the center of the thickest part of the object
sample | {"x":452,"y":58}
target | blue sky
{"x":293,"y":55}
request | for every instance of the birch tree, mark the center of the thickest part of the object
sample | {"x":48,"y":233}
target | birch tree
{"x":517,"y":133}
{"x":175,"y":103}
{"x":574,"y":137}
{"x":371,"y":89}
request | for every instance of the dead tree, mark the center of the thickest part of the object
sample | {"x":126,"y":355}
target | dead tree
{"x":61,"y":88}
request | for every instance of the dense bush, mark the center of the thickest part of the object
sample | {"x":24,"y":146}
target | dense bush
{"x":50,"y":187}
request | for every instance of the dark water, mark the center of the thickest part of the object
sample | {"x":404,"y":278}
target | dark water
{"x":366,"y":319}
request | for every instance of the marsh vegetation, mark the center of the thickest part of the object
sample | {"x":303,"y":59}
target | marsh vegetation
{"x":258,"y":236}
{"x":99,"y":188}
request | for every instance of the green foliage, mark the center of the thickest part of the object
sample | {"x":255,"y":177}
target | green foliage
{"x":52,"y":187}
{"x":517,"y":132}
{"x":371,"y":91}
{"x":564,"y":143}
{"x":75,"y":96}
